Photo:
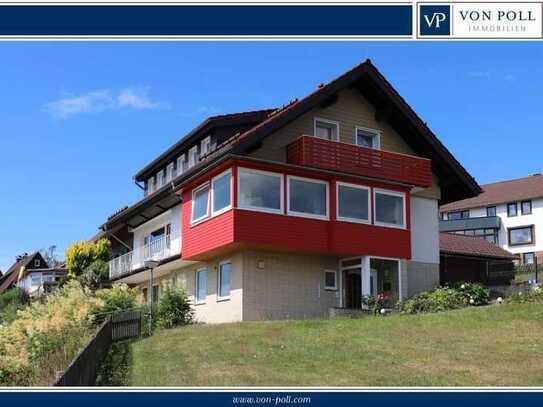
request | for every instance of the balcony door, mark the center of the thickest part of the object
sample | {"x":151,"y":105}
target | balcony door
{"x":157,"y":243}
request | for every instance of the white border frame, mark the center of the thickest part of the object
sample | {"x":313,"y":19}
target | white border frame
{"x":219,"y":280}
{"x":376,"y":133}
{"x":194,"y":191}
{"x":212,"y":193}
{"x":353,"y":220}
{"x":169,"y":167}
{"x":190,"y":154}
{"x":328,"y":288}
{"x":327,"y":121}
{"x":207,"y":143}
{"x":390,"y":193}
{"x":303,"y":214}
{"x":199,"y":301}
{"x":182,"y":159}
{"x":399,"y":261}
{"x":279,"y":175}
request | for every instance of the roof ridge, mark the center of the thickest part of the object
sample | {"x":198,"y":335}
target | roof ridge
{"x":513,"y":180}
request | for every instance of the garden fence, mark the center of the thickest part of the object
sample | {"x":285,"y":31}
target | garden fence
{"x":114,"y":326}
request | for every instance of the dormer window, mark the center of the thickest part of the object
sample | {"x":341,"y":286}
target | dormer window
{"x":150,"y":185}
{"x":169,"y":172}
{"x":205,"y":146}
{"x":159,"y":179}
{"x":193,"y":156}
{"x":181,"y":164}
{"x":369,"y":138}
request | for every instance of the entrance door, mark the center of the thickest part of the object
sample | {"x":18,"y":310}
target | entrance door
{"x":353,"y":291}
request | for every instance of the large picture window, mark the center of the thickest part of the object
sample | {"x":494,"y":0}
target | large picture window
{"x":353,"y":203}
{"x":521,"y":235}
{"x":389,"y":208}
{"x":307,"y":197}
{"x":225,"y":273}
{"x":260,"y":190}
{"x":221,"y":192}
{"x":200,"y":203}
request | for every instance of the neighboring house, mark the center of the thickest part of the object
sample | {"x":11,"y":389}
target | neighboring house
{"x":285,"y":213}
{"x":475,"y":260}
{"x":507,"y":213}
{"x":32,"y":274}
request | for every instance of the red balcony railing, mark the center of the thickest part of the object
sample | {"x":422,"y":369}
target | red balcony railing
{"x":331,"y":155}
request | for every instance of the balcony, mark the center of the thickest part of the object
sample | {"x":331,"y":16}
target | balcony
{"x":483,"y":222}
{"x":332,"y":155}
{"x":158,"y":249}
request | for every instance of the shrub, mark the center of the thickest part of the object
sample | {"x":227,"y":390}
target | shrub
{"x":474,"y":294}
{"x":375,"y":303}
{"x":173,"y":308}
{"x":81,"y":255}
{"x":94,"y":274}
{"x":15,"y":296}
{"x":46,"y":336}
{"x":534,"y":295}
{"x":117,"y":298}
{"x":440,"y":299}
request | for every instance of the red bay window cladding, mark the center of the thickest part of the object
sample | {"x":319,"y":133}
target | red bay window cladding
{"x":240,"y":228}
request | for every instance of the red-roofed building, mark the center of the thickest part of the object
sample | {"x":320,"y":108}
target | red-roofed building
{"x":285,"y":213}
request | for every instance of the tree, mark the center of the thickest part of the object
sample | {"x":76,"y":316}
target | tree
{"x":80,"y":255}
{"x":96,"y":273}
{"x":50,"y":256}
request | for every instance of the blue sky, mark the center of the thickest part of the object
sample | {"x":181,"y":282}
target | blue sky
{"x":78,"y":120}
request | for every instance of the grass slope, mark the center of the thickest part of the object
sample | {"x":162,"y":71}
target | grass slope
{"x":489,"y":346}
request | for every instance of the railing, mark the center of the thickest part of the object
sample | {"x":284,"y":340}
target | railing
{"x":332,"y":155}
{"x":156,"y":250}
{"x":483,"y":222}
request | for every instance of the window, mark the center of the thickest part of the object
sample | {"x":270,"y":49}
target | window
{"x":225,"y":272}
{"x":326,"y":129}
{"x":512,"y":209}
{"x":159,"y":179}
{"x":155,"y":294}
{"x":389,"y":208}
{"x":368,"y":137}
{"x":200,"y":203}
{"x":169,"y":172}
{"x":35,"y":278}
{"x":330,"y":280}
{"x":205,"y":146}
{"x":201,"y":285}
{"x":37,"y":263}
{"x":151,"y":185}
{"x":307,"y":197}
{"x":458,"y":215}
{"x":260,"y":190}
{"x":193,"y":156}
{"x":491,"y":211}
{"x":353,"y":202}
{"x":221,"y":192}
{"x":522,"y":235}
{"x":181,"y":164}
{"x":442,"y":216}
{"x":526,"y":207}
{"x":144,"y":293}
{"x":528,"y":258}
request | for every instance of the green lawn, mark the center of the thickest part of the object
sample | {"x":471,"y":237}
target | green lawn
{"x":488,"y":346}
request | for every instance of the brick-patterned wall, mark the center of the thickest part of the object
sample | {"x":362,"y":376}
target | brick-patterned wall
{"x":289,"y":286}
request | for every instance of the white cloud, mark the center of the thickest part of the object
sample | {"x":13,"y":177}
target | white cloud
{"x":202,"y":110}
{"x":100,"y":100}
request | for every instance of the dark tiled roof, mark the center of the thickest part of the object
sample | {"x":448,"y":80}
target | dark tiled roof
{"x":502,"y":192}
{"x":10,"y":277}
{"x":471,"y":246}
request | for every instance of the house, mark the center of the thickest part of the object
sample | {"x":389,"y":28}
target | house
{"x":287,"y":212}
{"x":475,"y":260}
{"x":32,"y":274}
{"x":507,"y":213}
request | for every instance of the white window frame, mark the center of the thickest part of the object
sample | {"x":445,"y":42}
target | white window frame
{"x":206,"y":216}
{"x":180,"y":164}
{"x":37,"y":262}
{"x":160,"y":176}
{"x":376,"y":136}
{"x":219,"y":281}
{"x":151,"y":185}
{"x":197,"y":291}
{"x":303,"y":214}
{"x":169,"y":172}
{"x":279,"y":211}
{"x":226,"y":208}
{"x":345,"y":218}
{"x":205,"y":146}
{"x":193,"y":155}
{"x":327,"y":121}
{"x":330,"y":288}
{"x":390,"y":193}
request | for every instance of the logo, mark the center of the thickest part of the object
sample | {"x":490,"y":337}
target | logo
{"x":435,"y":20}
